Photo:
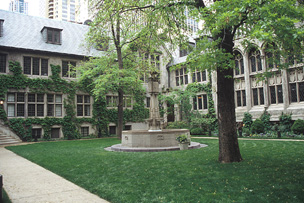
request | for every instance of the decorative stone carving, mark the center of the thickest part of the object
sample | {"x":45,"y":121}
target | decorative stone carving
{"x":154,"y":120}
{"x":300,"y":75}
{"x":292,"y":76}
{"x":160,"y":137}
{"x":279,"y":79}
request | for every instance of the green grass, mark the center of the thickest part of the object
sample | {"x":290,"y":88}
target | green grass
{"x":272,"y":171}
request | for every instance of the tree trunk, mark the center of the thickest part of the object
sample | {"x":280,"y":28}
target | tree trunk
{"x":120,"y":98}
{"x":228,"y":142}
{"x":120,"y":114}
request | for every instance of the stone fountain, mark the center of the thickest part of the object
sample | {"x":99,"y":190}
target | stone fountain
{"x":155,"y":138}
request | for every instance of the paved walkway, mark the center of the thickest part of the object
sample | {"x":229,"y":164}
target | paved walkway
{"x":26,"y":182}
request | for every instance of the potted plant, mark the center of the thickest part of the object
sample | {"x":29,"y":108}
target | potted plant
{"x":183,"y":141}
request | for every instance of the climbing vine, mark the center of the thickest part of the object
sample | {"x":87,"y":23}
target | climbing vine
{"x":102,"y":116}
{"x":183,"y":99}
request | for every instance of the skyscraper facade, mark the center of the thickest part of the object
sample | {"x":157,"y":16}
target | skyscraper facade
{"x":19,"y":6}
{"x":67,"y":10}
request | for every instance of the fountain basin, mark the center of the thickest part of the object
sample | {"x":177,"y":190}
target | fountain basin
{"x":152,"y":138}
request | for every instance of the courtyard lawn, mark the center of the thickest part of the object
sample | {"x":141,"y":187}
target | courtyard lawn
{"x":272,"y":171}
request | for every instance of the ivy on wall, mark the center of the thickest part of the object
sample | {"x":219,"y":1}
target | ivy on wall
{"x":70,"y":123}
{"x":183,"y":99}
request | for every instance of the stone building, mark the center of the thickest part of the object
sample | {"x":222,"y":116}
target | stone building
{"x":283,"y":92}
{"x":37,"y":43}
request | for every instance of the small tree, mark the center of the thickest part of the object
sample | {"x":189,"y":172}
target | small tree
{"x":247,"y":120}
{"x":298,"y":127}
{"x":257,"y":126}
{"x":265,"y":118}
{"x":285,"y":122}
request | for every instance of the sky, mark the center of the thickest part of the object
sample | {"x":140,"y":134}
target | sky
{"x":33,"y":6}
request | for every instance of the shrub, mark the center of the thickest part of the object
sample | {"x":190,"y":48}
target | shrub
{"x":257,"y":126}
{"x":197,"y":131}
{"x":178,"y":125}
{"x":246,"y":131}
{"x":285,"y":120}
{"x":247,"y":120}
{"x":265,"y":118}
{"x":182,"y":138}
{"x":298,"y":127}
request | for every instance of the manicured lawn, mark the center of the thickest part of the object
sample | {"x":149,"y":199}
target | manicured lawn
{"x":272,"y":171}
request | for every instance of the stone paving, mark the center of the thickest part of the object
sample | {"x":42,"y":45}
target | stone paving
{"x":26,"y":182}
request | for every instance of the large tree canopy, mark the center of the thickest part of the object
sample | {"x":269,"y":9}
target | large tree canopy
{"x":278,"y":23}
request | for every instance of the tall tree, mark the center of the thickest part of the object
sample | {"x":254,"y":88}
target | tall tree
{"x":271,"y":21}
{"x":120,"y":32}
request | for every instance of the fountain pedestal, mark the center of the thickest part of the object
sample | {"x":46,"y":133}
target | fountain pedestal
{"x":155,"y":136}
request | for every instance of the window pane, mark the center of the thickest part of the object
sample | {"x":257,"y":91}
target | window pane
{"x":73,"y":70}
{"x":148,"y":102}
{"x":272,"y":95}
{"x":193,"y":77}
{"x":20,"y":109}
{"x":242,"y":66}
{"x":186,"y":79}
{"x":87,"y":111}
{"x":205,"y":101}
{"x":44,"y":66}
{"x":181,"y":80}
{"x":293,"y":92}
{"x":2,"y":63}
{"x":198,"y":74}
{"x":56,"y":37}
{"x":200,"y":104}
{"x":36,"y":133}
{"x":11,"y":110}
{"x":204,"y":78}
{"x":259,"y":63}
{"x":31,"y":110}
{"x":40,"y":97}
{"x":31,"y":98}
{"x":253,"y":65}
{"x":65,"y":69}
{"x":238,"y":98}
{"x":261,"y":96}
{"x":27,"y":65}
{"x":79,"y":99}
{"x":20,"y":97}
{"x":36,"y":65}
{"x":244,"y":97}
{"x":58,"y":110}
{"x":49,"y":35}
{"x":177,"y":81}
{"x":58,"y":98}
{"x":194,"y":103}
{"x":255,"y":96}
{"x":10,"y":97}
{"x":40,"y":110}
{"x":85,"y":131}
{"x":280,"y":94}
{"x":50,"y":110}
{"x":50,"y":98}
{"x":301,"y":91}
{"x":55,"y":132}
{"x":79,"y":110}
{"x":86,"y":99}
{"x":237,"y":67}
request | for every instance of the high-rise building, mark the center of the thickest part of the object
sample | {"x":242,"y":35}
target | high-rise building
{"x":67,"y":10}
{"x":19,"y":6}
